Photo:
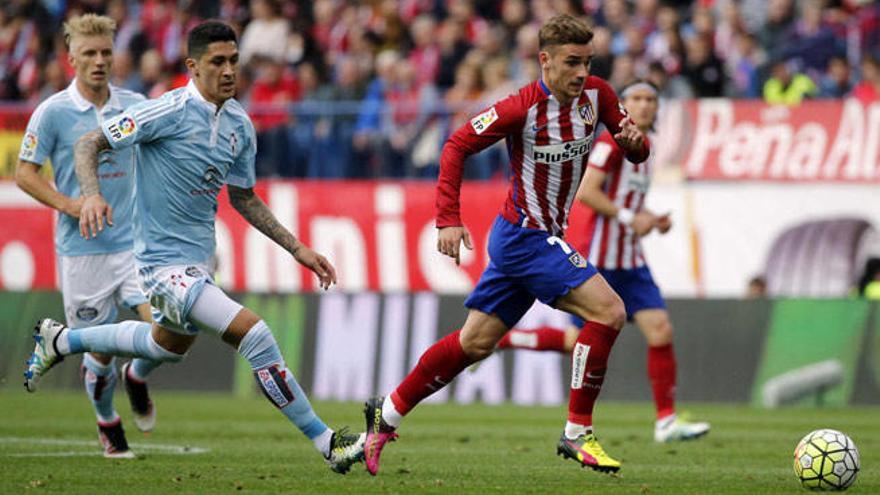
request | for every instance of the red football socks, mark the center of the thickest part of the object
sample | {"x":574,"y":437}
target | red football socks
{"x":442,"y":362}
{"x":588,"y":365}
{"x":539,"y":339}
{"x":661,"y":371}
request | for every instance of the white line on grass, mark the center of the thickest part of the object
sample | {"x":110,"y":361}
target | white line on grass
{"x":142,"y":447}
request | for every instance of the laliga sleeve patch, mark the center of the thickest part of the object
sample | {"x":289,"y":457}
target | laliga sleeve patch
{"x":482,"y":122}
{"x":272,"y":382}
{"x":599,"y":155}
{"x":28,"y":146}
{"x":121,"y":128}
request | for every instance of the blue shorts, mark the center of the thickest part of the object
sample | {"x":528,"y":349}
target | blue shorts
{"x":637,"y":289}
{"x":526,"y":264}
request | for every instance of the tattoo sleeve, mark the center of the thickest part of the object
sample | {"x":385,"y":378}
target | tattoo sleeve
{"x":85,"y":158}
{"x":258,"y":214}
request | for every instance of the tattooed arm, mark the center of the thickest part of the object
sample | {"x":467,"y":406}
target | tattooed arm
{"x":94,"y":208}
{"x":255,"y":211}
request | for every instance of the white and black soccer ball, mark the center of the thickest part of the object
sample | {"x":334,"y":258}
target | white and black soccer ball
{"x":826,"y":460}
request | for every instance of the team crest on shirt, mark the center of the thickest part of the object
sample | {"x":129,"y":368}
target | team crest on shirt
{"x":29,"y":146}
{"x":577,"y":260}
{"x":122,"y":128}
{"x":482,"y":122}
{"x":586,"y":112}
{"x":212,"y":177}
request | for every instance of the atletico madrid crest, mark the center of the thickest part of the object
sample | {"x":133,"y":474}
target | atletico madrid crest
{"x":586,"y":112}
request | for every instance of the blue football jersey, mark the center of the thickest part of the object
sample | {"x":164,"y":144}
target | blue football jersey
{"x":187,"y":149}
{"x":53,"y":129}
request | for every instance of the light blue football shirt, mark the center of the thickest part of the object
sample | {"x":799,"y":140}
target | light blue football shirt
{"x":187,"y":150}
{"x":53,"y":129}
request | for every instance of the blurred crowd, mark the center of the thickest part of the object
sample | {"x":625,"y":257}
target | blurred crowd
{"x":371,"y":88}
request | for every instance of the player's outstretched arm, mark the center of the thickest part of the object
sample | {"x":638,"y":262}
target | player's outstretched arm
{"x":255,"y":211}
{"x":94,"y":208}
{"x":29,"y":180}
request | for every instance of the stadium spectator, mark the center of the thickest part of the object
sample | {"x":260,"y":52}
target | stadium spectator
{"x":868,"y":90}
{"x":266,"y":34}
{"x":787,"y":87}
{"x":744,"y":67}
{"x":669,"y":86}
{"x":780,"y":20}
{"x":331,"y":153}
{"x":425,"y":55}
{"x":367,"y":139}
{"x":665,"y":44}
{"x":706,"y":48}
{"x":603,"y":60}
{"x":622,"y":72}
{"x":811,"y":43}
{"x":274,"y":89}
{"x":453,"y":49}
{"x":837,"y":81}
{"x":702,"y":69}
{"x":409,"y":110}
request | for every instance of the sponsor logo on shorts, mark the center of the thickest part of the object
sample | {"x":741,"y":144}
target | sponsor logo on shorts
{"x":271,"y":381}
{"x":577,"y":260}
{"x":28,"y":146}
{"x":87,"y":313}
{"x":193,"y":271}
{"x":579,"y":365}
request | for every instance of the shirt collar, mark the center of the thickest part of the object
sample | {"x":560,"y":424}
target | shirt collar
{"x":197,"y":95}
{"x":83,"y":104}
{"x":544,"y":87}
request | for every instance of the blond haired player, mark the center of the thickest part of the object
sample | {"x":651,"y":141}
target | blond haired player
{"x":95,"y":276}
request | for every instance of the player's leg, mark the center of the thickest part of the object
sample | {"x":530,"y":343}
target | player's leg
{"x":436,"y":368}
{"x":241,"y":328}
{"x":536,"y":339}
{"x":54,"y":341}
{"x":496,"y":304}
{"x":168,"y":338}
{"x":134,"y":373}
{"x":655,"y":325}
{"x":87,"y":293}
{"x":595,"y":302}
{"x":134,"y":378}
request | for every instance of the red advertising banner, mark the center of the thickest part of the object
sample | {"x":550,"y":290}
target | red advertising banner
{"x":822,"y":140}
{"x":380,"y":236}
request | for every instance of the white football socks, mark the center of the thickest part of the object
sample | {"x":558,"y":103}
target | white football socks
{"x":390,"y":414}
{"x":322,"y":442}
{"x":574,"y":430}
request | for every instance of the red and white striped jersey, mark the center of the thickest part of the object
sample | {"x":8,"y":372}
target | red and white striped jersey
{"x":615,"y":245}
{"x":548,"y":145}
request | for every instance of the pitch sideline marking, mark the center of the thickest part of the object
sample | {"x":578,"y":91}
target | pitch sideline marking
{"x":143,"y":447}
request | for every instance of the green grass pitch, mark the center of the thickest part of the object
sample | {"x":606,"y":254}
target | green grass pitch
{"x":48,"y":445}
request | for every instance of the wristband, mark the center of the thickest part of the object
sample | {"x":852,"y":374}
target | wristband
{"x":625,"y":216}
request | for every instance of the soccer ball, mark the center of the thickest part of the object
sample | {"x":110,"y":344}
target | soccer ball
{"x":826,"y":460}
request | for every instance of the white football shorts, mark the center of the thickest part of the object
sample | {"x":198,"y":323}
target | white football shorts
{"x":93,"y":285}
